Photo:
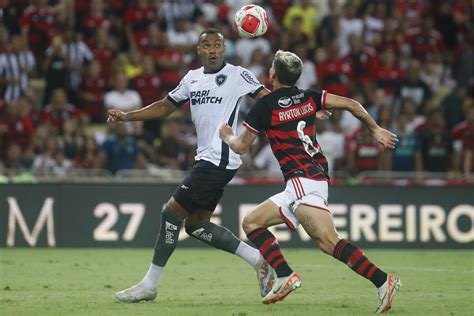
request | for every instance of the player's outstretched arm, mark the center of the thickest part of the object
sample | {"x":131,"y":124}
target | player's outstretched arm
{"x":239,"y":144}
{"x":161,"y":108}
{"x":383,"y":136}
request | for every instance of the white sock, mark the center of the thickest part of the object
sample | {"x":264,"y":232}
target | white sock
{"x":248,"y":253}
{"x":152,"y":277}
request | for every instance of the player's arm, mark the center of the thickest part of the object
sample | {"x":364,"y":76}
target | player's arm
{"x":239,"y":144}
{"x":161,"y":108}
{"x":383,"y":136}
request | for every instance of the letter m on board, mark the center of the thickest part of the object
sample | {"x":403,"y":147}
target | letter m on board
{"x":45,"y":217}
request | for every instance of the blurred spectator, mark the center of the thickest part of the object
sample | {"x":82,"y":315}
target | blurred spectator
{"x":10,"y":15}
{"x":363,"y":62}
{"x":16,"y":67}
{"x":245,"y":48}
{"x":374,"y":21}
{"x":137,"y":19}
{"x":173,"y":9}
{"x":37,"y":26}
{"x":121,"y":97}
{"x":423,"y":42}
{"x":332,"y":72}
{"x":257,"y":63}
{"x":14,"y":158}
{"x":265,"y":160}
{"x":90,"y":155}
{"x":408,"y":109}
{"x":403,"y":156}
{"x":435,"y":74}
{"x":308,"y":77}
{"x":103,"y":50}
{"x":453,"y":106}
{"x":349,"y":24}
{"x":329,"y":27}
{"x":390,"y":38}
{"x":60,"y":110}
{"x":57,"y":69}
{"x":410,"y":11}
{"x":95,"y":20}
{"x":17,"y":127}
{"x":434,"y":145}
{"x":332,"y":141}
{"x":309,"y":15}
{"x":294,"y":35}
{"x":148,"y":86}
{"x":389,"y":74}
{"x":363,"y":151}
{"x":181,"y":36}
{"x":121,"y":150}
{"x":45,"y":162}
{"x":413,"y":87}
{"x":170,"y":61}
{"x":78,"y":53}
{"x":91,"y":93}
{"x":173,"y":150}
{"x":463,"y":133}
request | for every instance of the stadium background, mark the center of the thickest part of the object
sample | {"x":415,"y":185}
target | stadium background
{"x":70,"y":180}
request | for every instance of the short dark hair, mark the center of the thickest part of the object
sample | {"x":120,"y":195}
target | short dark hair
{"x":209,"y":32}
{"x":288,"y":67}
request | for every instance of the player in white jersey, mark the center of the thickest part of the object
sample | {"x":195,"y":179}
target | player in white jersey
{"x":214,"y":92}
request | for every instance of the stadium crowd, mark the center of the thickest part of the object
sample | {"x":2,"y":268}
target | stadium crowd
{"x":63,"y":63}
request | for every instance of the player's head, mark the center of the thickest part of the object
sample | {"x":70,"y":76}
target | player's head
{"x":211,"y":49}
{"x":286,"y":68}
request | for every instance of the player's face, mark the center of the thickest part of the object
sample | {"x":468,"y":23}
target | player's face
{"x":271,"y":73}
{"x":211,"y":49}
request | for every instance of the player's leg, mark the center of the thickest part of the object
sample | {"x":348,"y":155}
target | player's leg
{"x":172,"y":217}
{"x":198,"y":225}
{"x":318,"y":223}
{"x":255,"y":226}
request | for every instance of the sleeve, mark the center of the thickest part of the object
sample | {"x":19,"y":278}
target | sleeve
{"x":319,"y":98}
{"x":248,"y":83}
{"x":254,"y":122}
{"x":180,"y":95}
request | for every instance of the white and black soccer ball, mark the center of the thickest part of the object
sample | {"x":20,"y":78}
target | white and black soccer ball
{"x":251,"y":21}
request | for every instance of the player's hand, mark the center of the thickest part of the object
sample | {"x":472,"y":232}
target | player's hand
{"x":323,"y":115}
{"x":225,"y":132}
{"x":386,"y":138}
{"x":116,"y":116}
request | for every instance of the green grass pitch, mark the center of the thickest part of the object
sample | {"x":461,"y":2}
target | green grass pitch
{"x":210,"y":282}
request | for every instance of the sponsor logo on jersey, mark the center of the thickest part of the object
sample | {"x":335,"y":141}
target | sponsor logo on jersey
{"x":294,"y":113}
{"x":202,"y":97}
{"x":249,"y":78}
{"x":284,"y":102}
{"x":220,"y":79}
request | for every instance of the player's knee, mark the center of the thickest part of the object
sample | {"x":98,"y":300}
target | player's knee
{"x":249,"y":225}
{"x":327,"y":241}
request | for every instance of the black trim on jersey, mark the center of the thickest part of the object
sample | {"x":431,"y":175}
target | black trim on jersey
{"x":254,"y":94}
{"x":224,"y":147}
{"x":177,"y":104}
{"x":216,"y":71}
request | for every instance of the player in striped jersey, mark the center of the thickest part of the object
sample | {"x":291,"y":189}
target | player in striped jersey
{"x":288,"y":117}
{"x":214,"y":92}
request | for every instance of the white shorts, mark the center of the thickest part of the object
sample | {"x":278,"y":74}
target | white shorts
{"x":301,"y":191}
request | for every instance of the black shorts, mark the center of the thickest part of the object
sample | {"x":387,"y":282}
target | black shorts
{"x":203,"y":186}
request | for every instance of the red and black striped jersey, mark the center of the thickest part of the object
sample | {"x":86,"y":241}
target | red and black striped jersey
{"x":288,"y":116}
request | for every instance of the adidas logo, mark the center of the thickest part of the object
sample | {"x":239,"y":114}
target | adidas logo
{"x":198,"y":232}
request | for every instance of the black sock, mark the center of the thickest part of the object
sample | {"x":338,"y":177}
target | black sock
{"x":357,"y":261}
{"x":269,"y":249}
{"x":215,"y":236}
{"x":167,"y":237}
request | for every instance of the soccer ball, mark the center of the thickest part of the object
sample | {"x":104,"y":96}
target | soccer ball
{"x":251,"y":21}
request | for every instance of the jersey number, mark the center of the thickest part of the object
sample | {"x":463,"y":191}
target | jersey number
{"x":307,"y":142}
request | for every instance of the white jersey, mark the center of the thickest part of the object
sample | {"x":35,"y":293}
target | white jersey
{"x":215,"y":98}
